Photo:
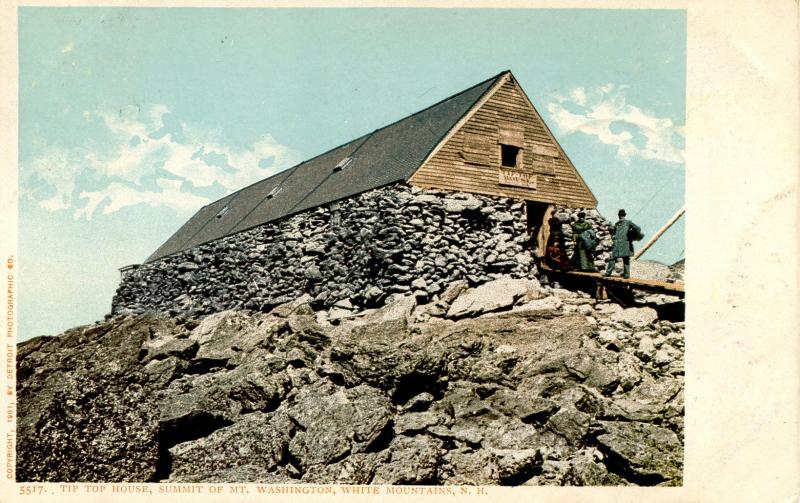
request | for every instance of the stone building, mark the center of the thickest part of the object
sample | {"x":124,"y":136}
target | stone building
{"x":458,"y":190}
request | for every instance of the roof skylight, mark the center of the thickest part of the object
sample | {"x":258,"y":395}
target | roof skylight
{"x":343,"y":164}
{"x":222,"y":212}
{"x":274,"y":192}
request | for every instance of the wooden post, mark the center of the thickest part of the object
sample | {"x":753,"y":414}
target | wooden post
{"x":660,"y":232}
{"x":544,"y":232}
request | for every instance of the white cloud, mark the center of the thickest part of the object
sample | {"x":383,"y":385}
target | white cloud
{"x":119,"y":196}
{"x":147,"y":161}
{"x":594,"y":112}
{"x":56,"y":170}
{"x":68,"y":48}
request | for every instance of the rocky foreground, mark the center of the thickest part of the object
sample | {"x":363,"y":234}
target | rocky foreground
{"x":509,"y":383}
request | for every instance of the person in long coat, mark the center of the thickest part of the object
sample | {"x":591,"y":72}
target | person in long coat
{"x":582,"y":257}
{"x":623,"y":246}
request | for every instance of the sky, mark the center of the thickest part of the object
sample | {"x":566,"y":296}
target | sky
{"x":131,"y":119}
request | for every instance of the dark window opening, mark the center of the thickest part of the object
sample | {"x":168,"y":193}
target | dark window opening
{"x":509,"y":156}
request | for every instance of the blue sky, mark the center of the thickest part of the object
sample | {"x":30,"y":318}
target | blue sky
{"x":131,"y":119}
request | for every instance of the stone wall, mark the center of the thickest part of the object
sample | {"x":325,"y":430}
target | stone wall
{"x":352,"y":254}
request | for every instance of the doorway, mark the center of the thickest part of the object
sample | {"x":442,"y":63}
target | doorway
{"x":537,"y":215}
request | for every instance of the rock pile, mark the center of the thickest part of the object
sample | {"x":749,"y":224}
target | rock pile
{"x":677,"y":270}
{"x":351,"y":255}
{"x":506,"y":383}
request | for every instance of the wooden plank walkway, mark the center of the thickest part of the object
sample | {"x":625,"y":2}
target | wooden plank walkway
{"x":666,"y":287}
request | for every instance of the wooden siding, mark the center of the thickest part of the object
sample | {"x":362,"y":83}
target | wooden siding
{"x":461,"y":165}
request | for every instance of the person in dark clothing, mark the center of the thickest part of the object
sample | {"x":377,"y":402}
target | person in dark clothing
{"x":556,"y":248}
{"x":582,"y":255}
{"x":623,"y":245}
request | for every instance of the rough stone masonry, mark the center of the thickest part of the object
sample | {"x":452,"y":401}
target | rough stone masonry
{"x":349,"y":255}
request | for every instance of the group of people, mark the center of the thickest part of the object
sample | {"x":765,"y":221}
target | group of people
{"x":585,"y":241}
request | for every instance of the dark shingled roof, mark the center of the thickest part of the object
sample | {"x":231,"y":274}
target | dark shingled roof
{"x":387,"y":155}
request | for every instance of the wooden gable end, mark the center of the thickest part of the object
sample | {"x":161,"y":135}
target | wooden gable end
{"x":469,"y":159}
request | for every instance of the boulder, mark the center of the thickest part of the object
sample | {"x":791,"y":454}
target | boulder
{"x":358,"y":468}
{"x":414,"y":422}
{"x":570,"y":423}
{"x":636,"y":317}
{"x":412,"y":460}
{"x":544,"y":305}
{"x":165,"y":347}
{"x":336,"y":421}
{"x":493,"y":296}
{"x":254,"y":440}
{"x":647,"y":454}
{"x":586,"y":468}
{"x":222,"y":335}
{"x":86,"y":412}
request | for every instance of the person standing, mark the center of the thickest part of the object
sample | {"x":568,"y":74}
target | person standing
{"x":556,"y":249}
{"x":625,"y":233}
{"x":582,"y":256}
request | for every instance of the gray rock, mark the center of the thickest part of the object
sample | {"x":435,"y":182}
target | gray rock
{"x":524,"y":405}
{"x":452,"y":291}
{"x":165,"y":347}
{"x":255,"y":440}
{"x":547,"y":304}
{"x":344,"y":304}
{"x":489,"y":466}
{"x":313,"y":273}
{"x":608,"y":308}
{"x":502,"y":216}
{"x":419,"y":402}
{"x":586,"y":469}
{"x":649,"y":454}
{"x":515,"y":466}
{"x":373,"y":293}
{"x":180,"y":411}
{"x":493,"y":296}
{"x":597,"y":369}
{"x":415,"y":422}
{"x":358,"y":468}
{"x":413,"y":460}
{"x":85,"y":409}
{"x":629,"y":370}
{"x":571,"y":424}
{"x":161,"y":372}
{"x":460,"y":205}
{"x":419,"y":284}
{"x":237,"y":475}
{"x":468,"y":467}
{"x":636,"y":316}
{"x":336,"y":421}
{"x":425,"y":198}
{"x":222,"y":335}
{"x":300,"y":305}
